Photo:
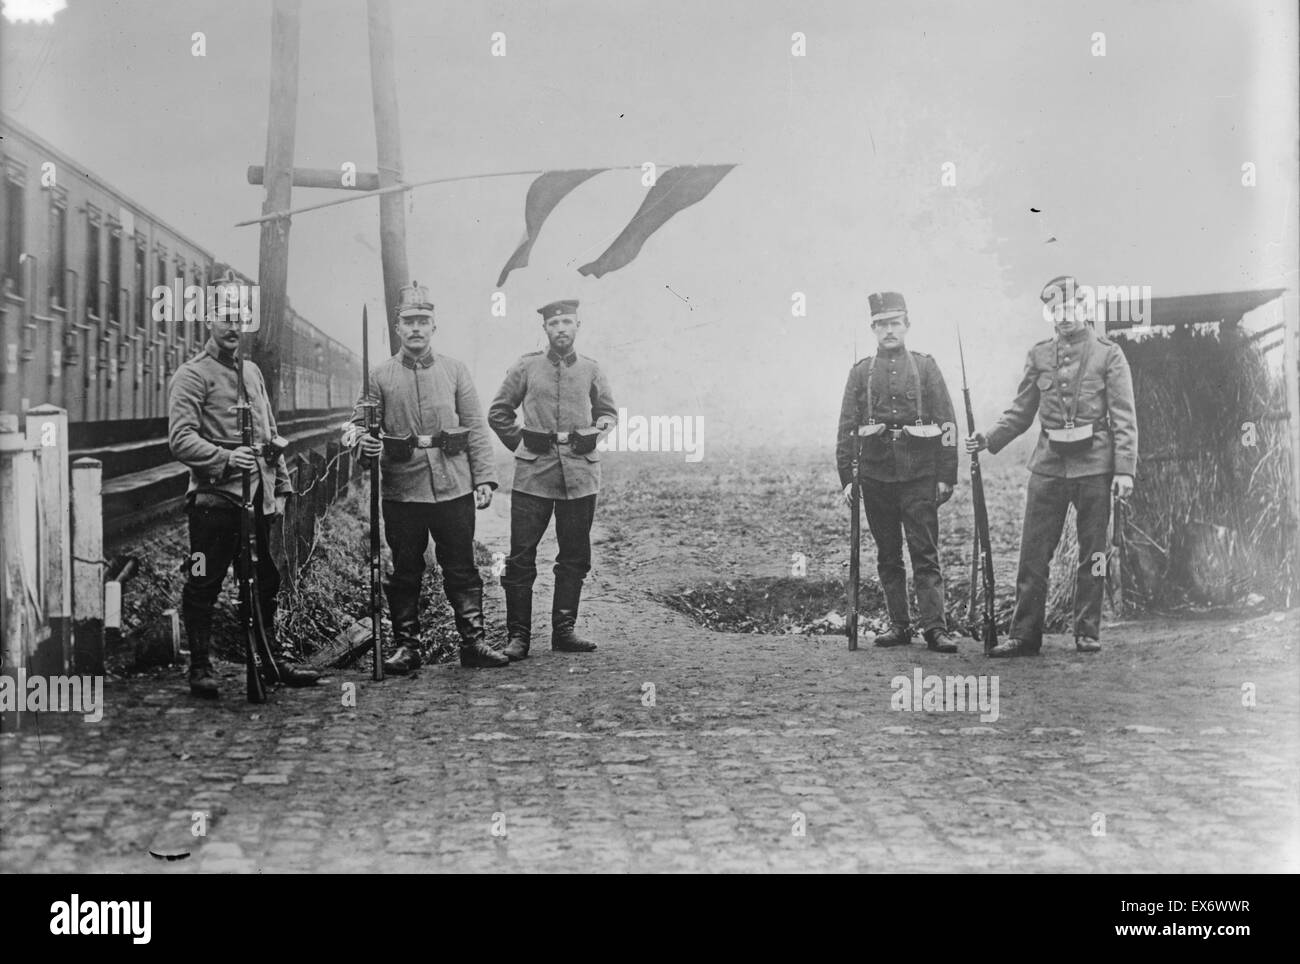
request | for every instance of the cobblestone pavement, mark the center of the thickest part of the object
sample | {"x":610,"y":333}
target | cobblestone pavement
{"x":561,"y":763}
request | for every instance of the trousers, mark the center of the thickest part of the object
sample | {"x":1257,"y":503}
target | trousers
{"x":1048,"y":500}
{"x":907,"y":509}
{"x":529,"y":517}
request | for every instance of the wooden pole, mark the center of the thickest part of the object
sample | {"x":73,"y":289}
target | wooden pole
{"x":47,"y":430}
{"x":273,"y":258}
{"x":16,"y":618}
{"x":87,"y":566}
{"x":321,"y":177}
{"x":392,"y":214}
{"x":1291,"y":373}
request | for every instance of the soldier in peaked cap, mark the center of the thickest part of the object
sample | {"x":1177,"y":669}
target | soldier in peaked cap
{"x":436,"y":466}
{"x":203,"y":432}
{"x":898,"y":404}
{"x":1079,"y":385}
{"x":566,"y":406}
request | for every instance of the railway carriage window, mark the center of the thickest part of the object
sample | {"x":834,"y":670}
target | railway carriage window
{"x":114,"y":273}
{"x":15,"y":211}
{"x":141,"y":302}
{"x":59,"y":248}
{"x":92,"y":265}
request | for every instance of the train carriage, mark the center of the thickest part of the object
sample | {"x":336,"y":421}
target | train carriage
{"x":79,"y":262}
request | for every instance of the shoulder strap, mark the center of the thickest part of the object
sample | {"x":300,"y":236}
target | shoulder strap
{"x":920,"y":389}
{"x":871,"y":402}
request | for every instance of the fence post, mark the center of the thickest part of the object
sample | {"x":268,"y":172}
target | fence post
{"x":87,"y":566}
{"x":306,"y":527}
{"x":20,"y":617}
{"x":47,"y":430}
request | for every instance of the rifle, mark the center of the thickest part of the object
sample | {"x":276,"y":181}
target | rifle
{"x":258,"y":657}
{"x":372,"y":429}
{"x":988,"y":631}
{"x":855,"y":540}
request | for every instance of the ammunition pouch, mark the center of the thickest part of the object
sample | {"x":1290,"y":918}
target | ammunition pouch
{"x":538,"y":442}
{"x":584,"y":440}
{"x":1072,"y":439}
{"x":274,"y":448}
{"x":455,"y":441}
{"x":867,"y":431}
{"x":398,"y":448}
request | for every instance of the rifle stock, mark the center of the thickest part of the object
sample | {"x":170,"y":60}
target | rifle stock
{"x":855,"y":542}
{"x":258,"y":657}
{"x":988,"y":632}
{"x":372,"y":429}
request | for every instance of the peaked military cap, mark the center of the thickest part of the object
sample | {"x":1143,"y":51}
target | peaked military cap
{"x":412,"y":300}
{"x":568,"y":306}
{"x":1066,"y":284}
{"x":886,"y":305}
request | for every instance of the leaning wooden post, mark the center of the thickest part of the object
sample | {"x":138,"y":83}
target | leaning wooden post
{"x":273,"y":257}
{"x":87,"y":567}
{"x":388,"y":140}
{"x":15,"y":618}
{"x":47,"y":430}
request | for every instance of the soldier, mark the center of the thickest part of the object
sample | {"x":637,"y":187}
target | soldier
{"x":1079,"y":384}
{"x":898,"y":402}
{"x":204,"y":433}
{"x":436,"y":466}
{"x":566,"y":407}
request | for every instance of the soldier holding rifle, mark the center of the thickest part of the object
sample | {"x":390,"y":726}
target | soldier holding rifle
{"x":897,"y":403}
{"x":1079,"y":385}
{"x":203,"y":408}
{"x":436,"y":467}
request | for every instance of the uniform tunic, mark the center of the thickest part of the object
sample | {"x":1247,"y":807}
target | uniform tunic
{"x":894,"y":402}
{"x":552,"y":393}
{"x":1051,"y":380}
{"x":426,"y":396}
{"x":200,"y":412}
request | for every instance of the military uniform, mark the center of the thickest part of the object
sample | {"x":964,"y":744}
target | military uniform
{"x":203,"y":429}
{"x":437,"y":450}
{"x":557,"y":470}
{"x":899,"y":472}
{"x":1082,"y":379}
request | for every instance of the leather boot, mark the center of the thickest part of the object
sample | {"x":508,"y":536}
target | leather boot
{"x":519,"y":621}
{"x":895,"y":636}
{"x":404,"y":610}
{"x":564,"y":616}
{"x":289,"y":675}
{"x":203,"y":682}
{"x":467,"y":604}
{"x":940,"y":640}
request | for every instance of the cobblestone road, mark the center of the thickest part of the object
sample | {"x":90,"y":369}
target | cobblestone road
{"x":558,"y":763}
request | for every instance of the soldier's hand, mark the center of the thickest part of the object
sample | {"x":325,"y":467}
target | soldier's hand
{"x":848,"y":495}
{"x":243,"y":459}
{"x":605,"y":423}
{"x":280,"y":502}
{"x":945,"y":492}
{"x":1122,"y":486}
{"x":482,"y":495}
{"x":371,"y":447}
{"x":976,"y":443}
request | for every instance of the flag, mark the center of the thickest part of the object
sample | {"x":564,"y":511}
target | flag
{"x":546,"y":192}
{"x":676,"y":188}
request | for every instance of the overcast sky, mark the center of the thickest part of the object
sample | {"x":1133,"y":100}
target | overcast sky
{"x":1134,"y":160}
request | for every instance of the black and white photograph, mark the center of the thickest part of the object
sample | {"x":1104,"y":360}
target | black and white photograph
{"x":651,"y":437}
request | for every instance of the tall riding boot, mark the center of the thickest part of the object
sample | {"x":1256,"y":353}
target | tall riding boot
{"x":404,"y":610}
{"x":475,"y":652}
{"x":519,"y":621}
{"x":203,"y":682}
{"x":564,"y":616}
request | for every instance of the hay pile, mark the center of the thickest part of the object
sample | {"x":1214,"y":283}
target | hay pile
{"x":1209,"y":523}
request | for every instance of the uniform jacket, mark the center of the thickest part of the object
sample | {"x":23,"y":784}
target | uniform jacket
{"x":427,"y":396}
{"x":552,"y":394}
{"x":200,"y":412}
{"x":1105,"y":398}
{"x":895,"y":395}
